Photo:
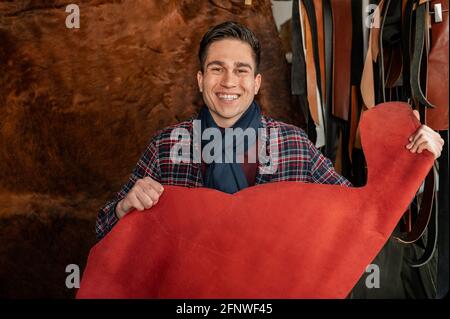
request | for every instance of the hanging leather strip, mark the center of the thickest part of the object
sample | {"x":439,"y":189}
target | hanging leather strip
{"x":406,"y":48}
{"x":426,"y":207}
{"x":298,"y":73}
{"x":342,"y":46}
{"x":437,"y":78}
{"x":332,"y":128}
{"x":382,"y":85}
{"x":419,"y":41}
{"x":310,"y":11}
{"x":392,"y":28}
{"x":443,"y":219}
{"x":312,"y":63}
{"x":320,"y":46}
{"x":359,"y":47}
{"x":321,"y":125}
{"x":367,"y":86}
{"x":367,"y":79}
{"x":431,"y":225}
{"x":328,"y":47}
{"x":354,"y":119}
{"x":311,"y":80}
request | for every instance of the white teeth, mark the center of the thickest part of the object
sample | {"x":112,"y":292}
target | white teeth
{"x":228,"y":97}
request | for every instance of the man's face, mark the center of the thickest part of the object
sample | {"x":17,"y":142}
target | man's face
{"x":228,"y":83}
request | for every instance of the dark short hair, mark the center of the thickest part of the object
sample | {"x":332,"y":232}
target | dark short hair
{"x":229,"y":30}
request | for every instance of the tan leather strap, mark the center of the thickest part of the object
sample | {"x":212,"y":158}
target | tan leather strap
{"x":367,"y":80}
{"x":311,"y":80}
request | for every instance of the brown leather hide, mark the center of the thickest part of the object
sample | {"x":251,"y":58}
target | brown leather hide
{"x":67,"y":94}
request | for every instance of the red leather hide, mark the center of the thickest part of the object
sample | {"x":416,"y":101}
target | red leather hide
{"x":277,"y":240}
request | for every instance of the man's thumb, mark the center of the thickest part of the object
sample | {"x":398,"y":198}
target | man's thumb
{"x":416,"y":114}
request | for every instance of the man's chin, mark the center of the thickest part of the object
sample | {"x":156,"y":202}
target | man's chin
{"x":227,"y":111}
{"x":230,"y":115}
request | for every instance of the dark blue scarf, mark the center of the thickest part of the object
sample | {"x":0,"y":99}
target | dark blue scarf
{"x":229,"y":177}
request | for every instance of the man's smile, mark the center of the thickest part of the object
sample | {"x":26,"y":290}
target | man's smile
{"x":227,"y":96}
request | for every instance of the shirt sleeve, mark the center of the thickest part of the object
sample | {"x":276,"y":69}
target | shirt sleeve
{"x":322,"y":170}
{"x":147,"y":165}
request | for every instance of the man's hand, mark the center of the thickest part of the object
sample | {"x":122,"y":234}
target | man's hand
{"x":144,"y":194}
{"x":425,"y":139}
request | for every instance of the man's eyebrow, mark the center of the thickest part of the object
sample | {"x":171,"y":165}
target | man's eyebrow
{"x":237,"y":64}
{"x":215,"y":62}
{"x":242,"y":64}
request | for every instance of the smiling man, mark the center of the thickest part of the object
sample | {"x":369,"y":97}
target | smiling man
{"x":229,"y":79}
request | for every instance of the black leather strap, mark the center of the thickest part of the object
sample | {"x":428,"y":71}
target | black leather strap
{"x":331,"y":130}
{"x":432,"y":236}
{"x":425,"y":211}
{"x":416,"y":63}
{"x":443,"y":220}
{"x":381,"y":64}
{"x":406,"y":47}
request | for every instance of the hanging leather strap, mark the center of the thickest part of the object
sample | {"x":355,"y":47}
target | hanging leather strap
{"x":438,"y":75}
{"x":443,"y":219}
{"x":416,"y":63}
{"x":380,"y":44}
{"x":311,"y":77}
{"x":318,"y":9}
{"x":354,"y":119}
{"x":427,"y":219}
{"x":367,"y":79}
{"x":391,"y":29}
{"x":407,"y":33}
{"x":298,"y":72}
{"x":331,"y":125}
{"x":328,"y":48}
{"x":342,"y":48}
{"x":311,"y":13}
{"x":426,"y":208}
{"x":321,"y":124}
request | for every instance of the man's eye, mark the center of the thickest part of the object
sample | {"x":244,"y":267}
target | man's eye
{"x":242,"y":71}
{"x":216,"y":69}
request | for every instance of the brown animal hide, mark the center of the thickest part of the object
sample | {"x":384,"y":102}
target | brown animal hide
{"x":78,"y":106}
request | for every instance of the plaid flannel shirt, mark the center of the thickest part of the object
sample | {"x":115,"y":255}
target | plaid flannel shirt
{"x":297,"y":160}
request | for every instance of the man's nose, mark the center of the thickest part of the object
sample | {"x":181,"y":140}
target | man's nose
{"x":229,"y":79}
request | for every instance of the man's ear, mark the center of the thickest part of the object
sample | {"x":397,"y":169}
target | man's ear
{"x":200,"y":80}
{"x":258,"y":79}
